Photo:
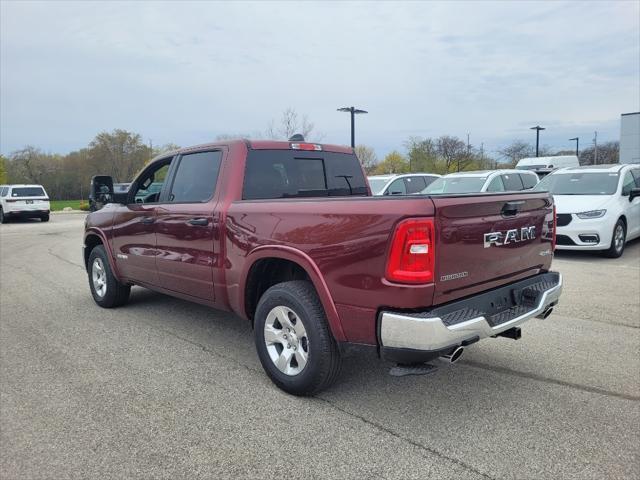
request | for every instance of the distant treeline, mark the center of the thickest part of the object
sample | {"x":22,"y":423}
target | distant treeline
{"x":122,"y":154}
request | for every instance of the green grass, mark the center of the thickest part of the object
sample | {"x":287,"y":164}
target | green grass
{"x":57,"y":205}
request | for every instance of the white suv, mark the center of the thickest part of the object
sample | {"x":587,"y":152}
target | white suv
{"x":27,"y":201}
{"x":597,"y":207}
{"x":484,"y":181}
{"x":405,"y":184}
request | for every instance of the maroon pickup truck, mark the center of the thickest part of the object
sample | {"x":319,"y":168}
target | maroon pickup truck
{"x":288,"y":236}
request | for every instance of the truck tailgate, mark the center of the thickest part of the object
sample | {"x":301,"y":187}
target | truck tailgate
{"x":484,"y":241}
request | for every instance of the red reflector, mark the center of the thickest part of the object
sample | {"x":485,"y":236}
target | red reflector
{"x":412,"y":255}
{"x":306,"y":146}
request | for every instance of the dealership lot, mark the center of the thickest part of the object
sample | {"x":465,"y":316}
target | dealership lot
{"x":163,"y":388}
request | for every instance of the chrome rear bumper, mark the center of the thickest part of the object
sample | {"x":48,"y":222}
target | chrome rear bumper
{"x":432,"y":336}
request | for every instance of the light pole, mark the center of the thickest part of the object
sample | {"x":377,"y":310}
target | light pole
{"x":537,"y":128}
{"x":354,"y":111}
{"x":577,"y":139}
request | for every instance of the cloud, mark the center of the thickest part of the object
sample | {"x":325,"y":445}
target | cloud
{"x":185,"y":72}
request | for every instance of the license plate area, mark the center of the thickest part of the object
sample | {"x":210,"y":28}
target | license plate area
{"x":499,"y":305}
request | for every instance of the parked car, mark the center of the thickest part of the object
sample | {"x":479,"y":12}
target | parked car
{"x":24,"y":201}
{"x":288,"y":236}
{"x":483,"y":181}
{"x":544,"y":165}
{"x":405,"y":184}
{"x":598,"y":207}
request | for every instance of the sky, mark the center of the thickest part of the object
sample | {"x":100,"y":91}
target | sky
{"x":186,"y":72}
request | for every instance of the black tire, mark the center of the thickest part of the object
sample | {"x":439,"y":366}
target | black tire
{"x":616,"y":249}
{"x":2,"y":217}
{"x":116,"y":293}
{"x":323,"y":356}
{"x":44,"y":218}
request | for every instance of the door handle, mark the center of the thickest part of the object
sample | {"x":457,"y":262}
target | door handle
{"x":199,"y":221}
{"x":147,"y":220}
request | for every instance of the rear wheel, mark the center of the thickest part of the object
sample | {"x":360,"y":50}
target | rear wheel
{"x":2,"y":218}
{"x":44,"y":218}
{"x":618,"y":240}
{"x":293,"y":340}
{"x":107,"y":291}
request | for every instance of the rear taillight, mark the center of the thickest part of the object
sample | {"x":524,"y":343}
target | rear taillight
{"x":553,"y":235}
{"x":412,"y":255}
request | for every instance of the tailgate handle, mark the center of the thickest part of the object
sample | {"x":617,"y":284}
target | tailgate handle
{"x":511,"y":208}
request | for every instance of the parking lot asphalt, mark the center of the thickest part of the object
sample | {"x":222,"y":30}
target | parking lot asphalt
{"x":163,"y":388}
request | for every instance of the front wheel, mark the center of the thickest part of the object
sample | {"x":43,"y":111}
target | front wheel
{"x":2,"y":217}
{"x":618,"y":240}
{"x":44,"y":218}
{"x":293,"y":340}
{"x":107,"y":291}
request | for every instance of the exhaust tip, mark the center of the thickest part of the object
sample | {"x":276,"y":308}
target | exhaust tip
{"x":455,"y":355}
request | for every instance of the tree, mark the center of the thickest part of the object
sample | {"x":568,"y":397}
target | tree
{"x":291,"y":123}
{"x":3,"y":170}
{"x":423,"y":155}
{"x":367,"y":157}
{"x":119,"y":154}
{"x":607,"y":153}
{"x":515,"y":151}
{"x":394,"y":162}
{"x":454,"y":152}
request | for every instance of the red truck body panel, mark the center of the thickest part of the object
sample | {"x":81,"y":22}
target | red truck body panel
{"x":342,"y":243}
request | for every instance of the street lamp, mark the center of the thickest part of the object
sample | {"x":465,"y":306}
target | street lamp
{"x":354,"y":111}
{"x":537,"y":128}
{"x":577,"y":139}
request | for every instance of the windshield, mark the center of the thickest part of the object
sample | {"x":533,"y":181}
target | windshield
{"x":530,"y":167}
{"x":27,"y":192}
{"x":577,"y":183}
{"x":456,"y":185}
{"x":377,"y":184}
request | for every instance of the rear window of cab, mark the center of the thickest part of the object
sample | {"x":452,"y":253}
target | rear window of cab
{"x":272,"y":174}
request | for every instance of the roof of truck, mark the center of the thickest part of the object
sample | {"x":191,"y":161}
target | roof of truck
{"x":258,"y":145}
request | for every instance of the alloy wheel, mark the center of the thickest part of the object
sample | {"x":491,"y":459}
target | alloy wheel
{"x":99,"y":277}
{"x":286,"y":339}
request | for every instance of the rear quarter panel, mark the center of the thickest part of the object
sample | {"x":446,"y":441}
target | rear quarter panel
{"x":346,"y":238}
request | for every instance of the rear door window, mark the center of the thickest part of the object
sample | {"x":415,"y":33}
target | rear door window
{"x":415,"y":184}
{"x":529,"y":181}
{"x":496,"y":185}
{"x":196,"y":177}
{"x":512,"y":182}
{"x":397,"y":187}
{"x":271,"y":174}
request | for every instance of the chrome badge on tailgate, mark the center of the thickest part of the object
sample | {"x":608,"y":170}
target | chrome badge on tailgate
{"x":515,"y":235}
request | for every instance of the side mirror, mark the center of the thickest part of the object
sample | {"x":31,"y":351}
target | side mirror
{"x":101,"y":190}
{"x":635,"y":192}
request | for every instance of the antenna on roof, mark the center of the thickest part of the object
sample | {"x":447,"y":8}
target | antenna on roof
{"x":296,"y":137}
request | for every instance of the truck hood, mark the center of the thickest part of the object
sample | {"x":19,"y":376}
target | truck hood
{"x":579,"y":203}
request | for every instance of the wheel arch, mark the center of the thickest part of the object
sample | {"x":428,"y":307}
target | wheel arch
{"x":279,"y":259}
{"x":93,"y":238}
